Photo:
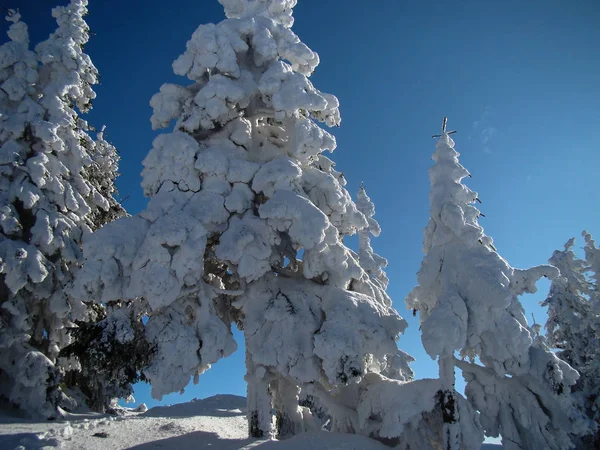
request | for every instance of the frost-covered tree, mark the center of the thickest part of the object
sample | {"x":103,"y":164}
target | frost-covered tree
{"x":467,"y":300}
{"x":592,"y":259}
{"x":56,"y":186}
{"x":573,"y":327}
{"x":110,"y":354}
{"x":370,"y":261}
{"x":245,"y":225}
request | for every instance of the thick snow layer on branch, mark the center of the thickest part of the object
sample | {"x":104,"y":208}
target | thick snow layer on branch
{"x":325,"y":189}
{"x":404,"y":414}
{"x":409,"y":413}
{"x":289,"y":212}
{"x":524,"y":280}
{"x":278,"y":174}
{"x":189,"y":337}
{"x":247,"y":244}
{"x":519,"y":407}
{"x":133,"y":257}
{"x":171,"y":159}
{"x":152,"y":255}
{"x":335,"y":330}
{"x":397,"y":404}
{"x":355,"y":326}
{"x":21,"y":263}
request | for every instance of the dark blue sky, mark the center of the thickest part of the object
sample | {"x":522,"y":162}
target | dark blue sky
{"x":519,"y":80}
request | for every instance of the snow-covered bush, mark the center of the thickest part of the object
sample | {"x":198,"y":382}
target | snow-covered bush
{"x":56,"y":186}
{"x":404,"y":414}
{"x":245,"y":225}
{"x":467,"y":298}
{"x":108,"y":354}
{"x":573,"y":327}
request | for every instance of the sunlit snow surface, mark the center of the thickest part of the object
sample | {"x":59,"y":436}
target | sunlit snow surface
{"x":214,"y":423}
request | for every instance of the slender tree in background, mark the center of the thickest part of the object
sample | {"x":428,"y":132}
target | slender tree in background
{"x":467,"y":300}
{"x":56,"y":186}
{"x":592,"y":369}
{"x":370,"y":261}
{"x":573,"y":327}
{"x":245,"y":225}
{"x":592,"y":259}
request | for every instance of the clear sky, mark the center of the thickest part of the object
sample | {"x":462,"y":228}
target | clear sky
{"x":519,"y":80}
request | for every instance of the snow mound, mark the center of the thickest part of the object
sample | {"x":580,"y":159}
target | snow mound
{"x":218,"y":405}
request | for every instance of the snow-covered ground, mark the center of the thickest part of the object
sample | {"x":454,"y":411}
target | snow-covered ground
{"x":216,"y":423}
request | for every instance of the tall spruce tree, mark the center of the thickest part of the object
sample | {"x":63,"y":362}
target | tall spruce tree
{"x":55,"y":189}
{"x":245,"y":225}
{"x":467,"y":298}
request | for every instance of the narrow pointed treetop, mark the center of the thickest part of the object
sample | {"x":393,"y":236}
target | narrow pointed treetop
{"x":444,"y":132}
{"x":453,"y":216}
{"x":68,"y":73}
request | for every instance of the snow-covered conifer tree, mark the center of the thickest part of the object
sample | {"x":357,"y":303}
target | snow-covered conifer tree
{"x":573,"y":327}
{"x":369,"y":260}
{"x":592,"y":259}
{"x":245,"y":224}
{"x":111,"y":353}
{"x":52,"y":190}
{"x":467,"y":300}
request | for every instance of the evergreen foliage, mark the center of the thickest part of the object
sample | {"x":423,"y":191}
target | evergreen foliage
{"x":111,"y":353}
{"x":468,"y":302}
{"x":245,"y":225}
{"x":56,"y":186}
{"x":573,"y":327}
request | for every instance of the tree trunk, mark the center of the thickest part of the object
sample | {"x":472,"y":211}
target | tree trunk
{"x":451,"y":428}
{"x":260,"y":413}
{"x":288,"y":416}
